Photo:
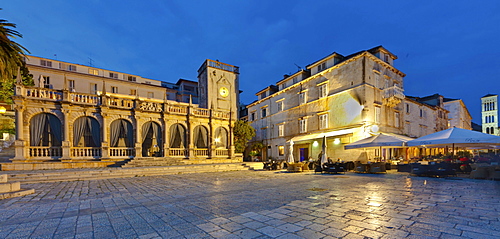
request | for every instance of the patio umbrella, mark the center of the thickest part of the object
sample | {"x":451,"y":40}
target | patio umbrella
{"x":290,"y":153}
{"x":324,"y":158}
{"x":380,"y":140}
{"x":456,"y":137}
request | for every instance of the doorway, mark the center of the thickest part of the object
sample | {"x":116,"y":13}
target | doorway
{"x":304,"y":154}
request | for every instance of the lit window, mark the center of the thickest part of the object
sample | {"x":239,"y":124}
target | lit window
{"x":94,"y":72}
{"x":323,"y":90}
{"x":302,"y":125}
{"x":323,"y":121}
{"x":281,"y":150}
{"x":281,"y":130}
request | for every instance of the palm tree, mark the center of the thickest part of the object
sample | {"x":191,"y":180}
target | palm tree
{"x":11,"y":59}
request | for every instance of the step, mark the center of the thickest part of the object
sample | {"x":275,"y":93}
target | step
{"x":120,"y":173}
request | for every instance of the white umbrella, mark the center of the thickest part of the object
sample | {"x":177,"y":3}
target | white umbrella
{"x":290,"y":153}
{"x":380,"y":140}
{"x":324,"y":158}
{"x":457,"y":137}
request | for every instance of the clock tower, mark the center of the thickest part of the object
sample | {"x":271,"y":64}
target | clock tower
{"x":219,"y":87}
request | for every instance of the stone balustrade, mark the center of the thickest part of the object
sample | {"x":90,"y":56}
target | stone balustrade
{"x":84,"y":152}
{"x":44,"y":151}
{"x":120,"y":152}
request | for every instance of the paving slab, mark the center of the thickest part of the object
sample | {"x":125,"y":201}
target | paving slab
{"x":256,"y":204}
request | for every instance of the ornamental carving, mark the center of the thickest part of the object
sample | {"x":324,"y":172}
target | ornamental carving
{"x":151,"y":106}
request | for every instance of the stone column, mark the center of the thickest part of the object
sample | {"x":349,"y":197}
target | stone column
{"x":189,"y":135}
{"x":66,"y":143}
{"x":19,"y":144}
{"x":166,"y":138}
{"x":231,"y":135}
{"x":211,"y":142}
{"x":138,"y":145}
{"x":104,"y":137}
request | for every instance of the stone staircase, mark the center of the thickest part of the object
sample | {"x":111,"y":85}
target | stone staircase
{"x":9,"y":190}
{"x":254,"y":165}
{"x":108,"y":173}
{"x":152,"y":161}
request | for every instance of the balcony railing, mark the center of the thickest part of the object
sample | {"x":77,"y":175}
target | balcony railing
{"x":201,"y":112}
{"x":121,"y":103}
{"x":44,"y":151}
{"x":221,"y":152}
{"x":86,"y":152}
{"x":84,"y":98}
{"x":43,"y":93}
{"x":394,"y":91}
{"x":177,"y":152}
{"x":120,"y":152}
{"x":393,"y":96}
{"x":115,"y":101}
{"x":200,"y":152}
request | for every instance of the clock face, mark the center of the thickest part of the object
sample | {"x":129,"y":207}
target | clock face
{"x":224,"y":92}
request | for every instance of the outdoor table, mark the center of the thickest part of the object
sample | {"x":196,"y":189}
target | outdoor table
{"x":334,"y":168}
{"x":433,"y":170}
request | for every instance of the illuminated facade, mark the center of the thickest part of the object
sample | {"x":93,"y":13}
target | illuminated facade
{"x":424,"y":115}
{"x":489,"y":114}
{"x":82,"y":113}
{"x":345,"y":98}
{"x":458,"y":115}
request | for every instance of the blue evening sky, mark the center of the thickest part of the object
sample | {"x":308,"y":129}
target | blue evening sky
{"x":448,"y":47}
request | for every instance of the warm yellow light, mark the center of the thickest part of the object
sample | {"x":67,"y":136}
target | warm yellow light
{"x":2,"y":110}
{"x":336,"y":141}
{"x":217,"y":140}
{"x":315,"y":144}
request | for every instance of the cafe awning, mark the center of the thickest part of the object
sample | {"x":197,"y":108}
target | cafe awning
{"x":321,"y":134}
{"x":380,"y":140}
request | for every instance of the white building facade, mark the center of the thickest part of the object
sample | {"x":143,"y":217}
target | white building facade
{"x":489,"y":114}
{"x":345,"y":98}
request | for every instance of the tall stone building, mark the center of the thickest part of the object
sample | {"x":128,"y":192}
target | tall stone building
{"x":345,"y":98}
{"x":489,"y":114}
{"x":82,"y":113}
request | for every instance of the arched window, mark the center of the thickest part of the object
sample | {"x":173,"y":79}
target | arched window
{"x":45,"y":130}
{"x":151,"y":139}
{"x":487,"y":130}
{"x":221,"y":138}
{"x":86,"y":132}
{"x":122,"y":134}
{"x":177,"y":136}
{"x":200,"y":137}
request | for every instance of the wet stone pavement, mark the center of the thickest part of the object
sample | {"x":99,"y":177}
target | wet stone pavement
{"x":257,"y":204}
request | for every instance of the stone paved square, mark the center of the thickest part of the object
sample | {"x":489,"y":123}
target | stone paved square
{"x":257,"y":204}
